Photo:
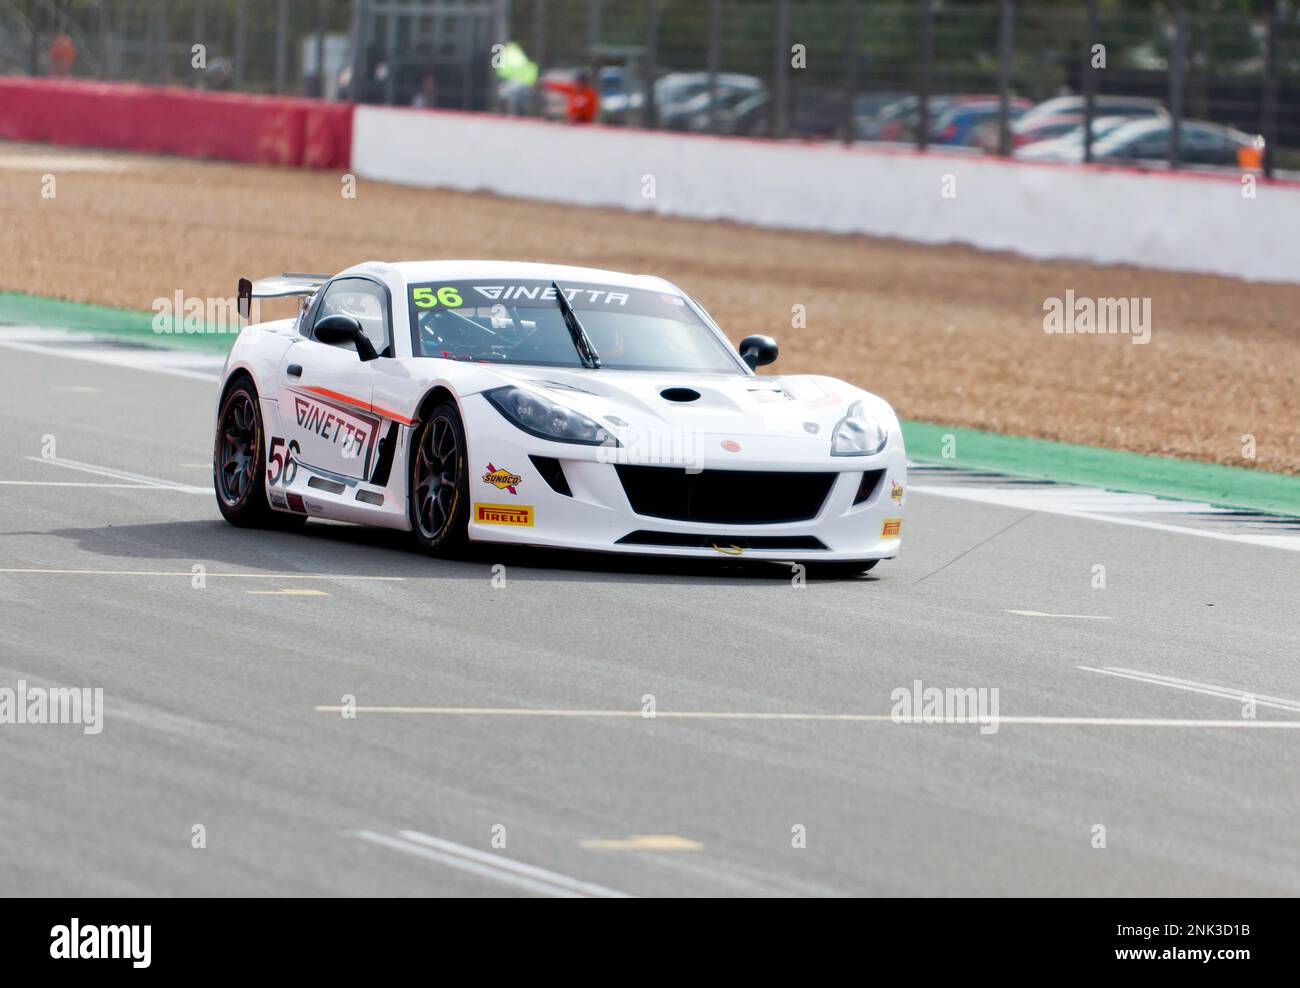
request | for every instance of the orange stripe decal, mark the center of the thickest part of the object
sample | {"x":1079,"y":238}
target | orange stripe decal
{"x":358,"y":403}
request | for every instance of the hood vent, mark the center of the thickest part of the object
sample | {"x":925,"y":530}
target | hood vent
{"x":679,"y":394}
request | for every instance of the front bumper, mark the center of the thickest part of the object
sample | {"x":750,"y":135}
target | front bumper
{"x":512,"y":500}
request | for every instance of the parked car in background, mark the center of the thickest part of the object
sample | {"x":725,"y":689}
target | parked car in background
{"x":689,"y":100}
{"x":867,"y":108}
{"x":745,"y":115}
{"x":1110,"y":106}
{"x":1067,"y":147}
{"x":1199,"y":141}
{"x":1035,"y":126}
{"x":1045,"y":129}
{"x":958,"y":124}
{"x":900,"y":120}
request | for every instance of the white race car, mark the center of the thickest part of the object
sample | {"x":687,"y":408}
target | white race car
{"x":546,"y":405}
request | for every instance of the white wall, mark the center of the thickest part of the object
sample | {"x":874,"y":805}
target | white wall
{"x":1183,"y":223}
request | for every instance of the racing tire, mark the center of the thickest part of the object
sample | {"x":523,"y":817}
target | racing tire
{"x":438,"y":481}
{"x":239,"y":462}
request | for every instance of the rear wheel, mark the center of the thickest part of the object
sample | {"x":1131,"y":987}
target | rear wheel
{"x":439,"y":482}
{"x":239,"y":462}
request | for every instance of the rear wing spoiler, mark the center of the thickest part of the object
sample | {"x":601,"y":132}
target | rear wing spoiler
{"x":278,"y":286}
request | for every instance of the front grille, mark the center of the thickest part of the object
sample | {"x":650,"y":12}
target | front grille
{"x":724,"y":497}
{"x":723,"y":543}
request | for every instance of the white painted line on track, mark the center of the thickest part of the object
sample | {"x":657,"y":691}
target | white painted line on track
{"x":493,"y":866}
{"x":159,"y":360}
{"x":1050,"y":503}
{"x":288,"y":593}
{"x":642,"y":842}
{"x":1192,"y":686}
{"x":137,"y":478}
{"x":189,"y":574}
{"x":75,"y":483}
{"x":1080,"y":617}
{"x":854,"y":718}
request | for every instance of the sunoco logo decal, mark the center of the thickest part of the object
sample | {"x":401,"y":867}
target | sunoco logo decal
{"x":504,"y":514}
{"x":502,"y":480}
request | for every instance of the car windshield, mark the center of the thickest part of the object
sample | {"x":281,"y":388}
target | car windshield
{"x":520,"y":322}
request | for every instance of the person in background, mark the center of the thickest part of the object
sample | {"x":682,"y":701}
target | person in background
{"x":427,"y":96}
{"x":582,"y":102}
{"x":62,"y":54}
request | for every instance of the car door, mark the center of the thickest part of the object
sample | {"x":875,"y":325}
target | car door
{"x":325,"y":390}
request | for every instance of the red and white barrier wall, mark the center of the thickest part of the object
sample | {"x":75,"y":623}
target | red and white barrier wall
{"x":1108,"y":215}
{"x":228,"y":126}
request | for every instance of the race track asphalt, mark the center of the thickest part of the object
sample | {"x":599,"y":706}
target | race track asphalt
{"x":211,"y":697}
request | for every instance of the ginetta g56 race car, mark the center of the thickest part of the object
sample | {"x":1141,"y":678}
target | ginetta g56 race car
{"x":549,"y":406}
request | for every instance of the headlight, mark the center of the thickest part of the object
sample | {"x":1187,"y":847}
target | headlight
{"x":857,"y":434}
{"x":547,"y":420}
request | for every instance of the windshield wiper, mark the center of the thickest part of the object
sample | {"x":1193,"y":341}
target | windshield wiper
{"x":581,"y":341}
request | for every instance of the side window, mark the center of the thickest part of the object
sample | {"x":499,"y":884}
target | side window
{"x":367,"y":302}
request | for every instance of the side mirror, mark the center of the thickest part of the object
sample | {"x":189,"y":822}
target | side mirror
{"x":339,"y":328}
{"x":758,"y":350}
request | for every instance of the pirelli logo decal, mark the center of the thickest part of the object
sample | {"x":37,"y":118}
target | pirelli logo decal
{"x":891,"y":528}
{"x":504,"y":514}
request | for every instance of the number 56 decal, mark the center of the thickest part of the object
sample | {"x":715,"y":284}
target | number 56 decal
{"x":424,"y":297}
{"x":282,"y":466}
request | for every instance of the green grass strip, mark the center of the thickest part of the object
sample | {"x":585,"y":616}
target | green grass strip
{"x":1111,"y":469}
{"x":103,"y":320}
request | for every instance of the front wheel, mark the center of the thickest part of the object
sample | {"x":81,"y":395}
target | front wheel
{"x":439,"y":482}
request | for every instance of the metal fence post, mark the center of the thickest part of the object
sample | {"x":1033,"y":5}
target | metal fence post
{"x":1268,"y":111}
{"x":390,"y":56}
{"x":923,"y":80}
{"x":539,"y":52}
{"x":322,"y":25}
{"x":1177,"y":67}
{"x":164,"y":41}
{"x":649,"y":112}
{"x":851,"y":71}
{"x":281,"y":41}
{"x":1089,"y":83}
{"x":103,"y":39}
{"x":1006,"y":27}
{"x":714,"y":60}
{"x":201,"y":78}
{"x":34,"y":43}
{"x":360,"y":28}
{"x":241,"y":53}
{"x":781,"y":79}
